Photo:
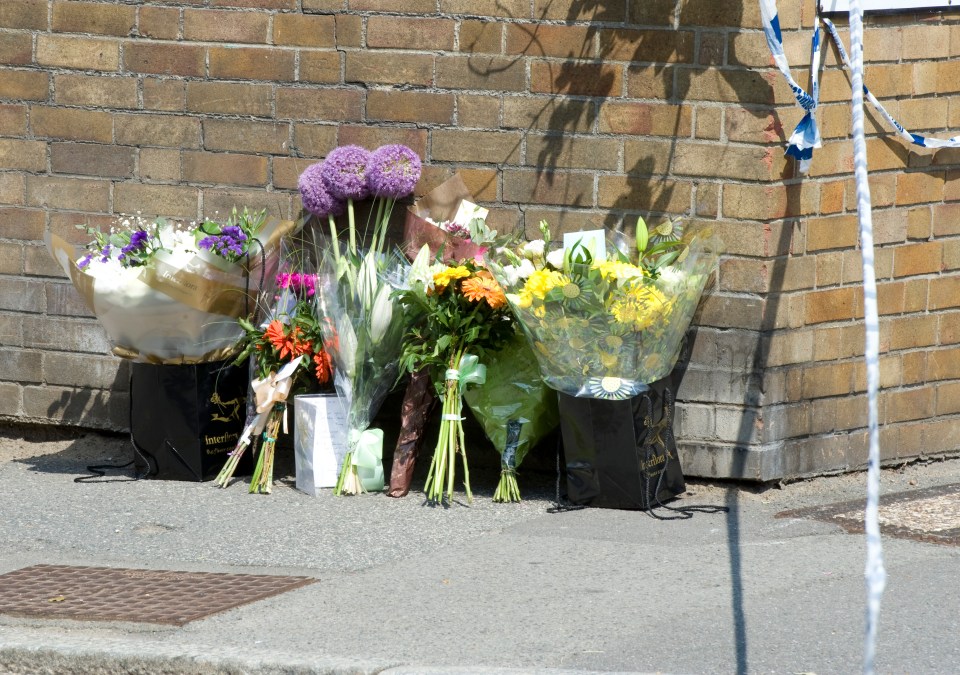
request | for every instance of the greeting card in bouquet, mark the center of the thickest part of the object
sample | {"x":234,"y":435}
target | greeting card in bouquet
{"x":320,"y":442}
{"x":442,"y":219}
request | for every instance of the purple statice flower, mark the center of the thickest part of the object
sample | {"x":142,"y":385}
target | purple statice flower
{"x":85,"y":261}
{"x":393,"y":171}
{"x":313,"y":193}
{"x":344,"y":172}
{"x":231,"y":243}
{"x":138,"y":242}
{"x":105,"y":253}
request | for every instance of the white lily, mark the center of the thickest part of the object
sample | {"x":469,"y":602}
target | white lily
{"x":381,"y":315}
{"x":367,"y":282}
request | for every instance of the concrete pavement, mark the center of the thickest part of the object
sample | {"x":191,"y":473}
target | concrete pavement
{"x":490,"y":588}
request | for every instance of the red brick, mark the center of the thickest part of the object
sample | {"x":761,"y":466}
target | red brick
{"x":175,"y":201}
{"x":649,"y":82}
{"x":374,"y":136}
{"x":65,"y":51}
{"x":219,"y":202}
{"x":13,"y":189}
{"x":349,"y":30}
{"x":313,"y":140}
{"x":548,"y":113}
{"x":915,"y":259}
{"x":645,"y":119}
{"x":90,"y":159}
{"x":95,"y":90}
{"x":16,"y":49}
{"x":406,"y":6}
{"x":159,"y":165}
{"x":480,"y":37}
{"x":257,"y":4}
{"x":302,"y":30}
{"x":159,"y":23}
{"x":389,"y":68}
{"x":28,"y":14}
{"x":164,"y":94}
{"x":13,"y":120}
{"x":511,"y":9}
{"x":23,"y":155}
{"x":76,"y":194}
{"x":577,"y":10}
{"x":21,"y":224}
{"x":478,"y":111}
{"x":211,"y":25}
{"x":480,"y":72}
{"x":28,"y":85}
{"x":164,"y":59}
{"x":644,"y":194}
{"x":319,"y":104}
{"x":224,"y":168}
{"x":410,"y":106}
{"x":576,"y":78}
{"x":541,"y":39}
{"x":402,"y":33}
{"x":658,"y":46}
{"x":320,"y":66}
{"x":93,"y":17}
{"x":244,"y":136}
{"x":72,"y":124}
{"x":157,"y":130}
{"x":548,"y":187}
{"x":493,"y":147}
{"x":229,"y":98}
{"x":572,"y":152}
{"x":833,"y":305}
{"x":252,"y":63}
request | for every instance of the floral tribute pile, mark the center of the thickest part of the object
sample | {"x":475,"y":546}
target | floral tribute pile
{"x":344,"y":303}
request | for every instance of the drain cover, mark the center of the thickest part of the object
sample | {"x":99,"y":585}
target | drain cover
{"x":931,"y":514}
{"x":141,"y":596}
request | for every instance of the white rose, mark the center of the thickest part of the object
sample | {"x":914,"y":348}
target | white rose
{"x":555,"y":258}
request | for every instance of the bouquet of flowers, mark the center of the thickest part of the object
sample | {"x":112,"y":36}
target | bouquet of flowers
{"x":288,"y":359}
{"x":167,"y":292}
{"x":604,"y":320}
{"x":363,"y":326}
{"x":459,"y":315}
{"x":449,"y":222}
{"x":515,"y":408}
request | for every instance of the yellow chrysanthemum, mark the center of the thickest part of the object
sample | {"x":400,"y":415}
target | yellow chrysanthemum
{"x":543,"y":281}
{"x":616,"y":269}
{"x":443,"y":278}
{"x":640,"y":307}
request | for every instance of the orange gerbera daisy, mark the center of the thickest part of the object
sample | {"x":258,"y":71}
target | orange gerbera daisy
{"x":324,"y":366}
{"x":484,"y":287}
{"x":288,"y":345}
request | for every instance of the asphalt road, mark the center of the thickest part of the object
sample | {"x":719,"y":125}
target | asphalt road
{"x":402,"y":587}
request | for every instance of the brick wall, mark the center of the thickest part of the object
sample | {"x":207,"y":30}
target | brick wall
{"x":577,"y":111}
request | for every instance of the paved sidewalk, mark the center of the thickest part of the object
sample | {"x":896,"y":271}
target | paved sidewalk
{"x":490,"y":588}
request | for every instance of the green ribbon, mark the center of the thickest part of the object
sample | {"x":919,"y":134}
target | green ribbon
{"x":367,"y":456}
{"x":468,"y":371}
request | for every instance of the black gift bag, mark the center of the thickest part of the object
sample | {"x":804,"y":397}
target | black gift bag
{"x":621,"y":454}
{"x":185,"y":419}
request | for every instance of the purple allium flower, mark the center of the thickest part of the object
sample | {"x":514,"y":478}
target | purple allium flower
{"x":344,"y":172}
{"x":313,"y":193}
{"x":231,"y":243}
{"x":393,"y":171}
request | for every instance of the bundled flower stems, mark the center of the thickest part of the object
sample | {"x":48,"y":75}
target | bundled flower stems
{"x":419,"y":400}
{"x":363,"y":324}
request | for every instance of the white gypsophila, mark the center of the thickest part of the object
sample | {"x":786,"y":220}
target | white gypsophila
{"x":555,"y":258}
{"x":533,"y":249}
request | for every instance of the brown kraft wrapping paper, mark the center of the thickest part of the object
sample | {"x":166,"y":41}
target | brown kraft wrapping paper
{"x":418,"y":401}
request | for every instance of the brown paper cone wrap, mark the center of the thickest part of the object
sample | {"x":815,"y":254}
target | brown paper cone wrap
{"x":418,"y":400}
{"x":440,"y":204}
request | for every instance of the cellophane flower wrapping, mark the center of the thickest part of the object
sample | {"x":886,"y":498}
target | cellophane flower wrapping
{"x":514,"y":407}
{"x":608,"y":328}
{"x":180,"y":304}
{"x":363,"y":330}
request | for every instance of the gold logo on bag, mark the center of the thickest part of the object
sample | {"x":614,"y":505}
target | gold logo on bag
{"x":229,"y":410}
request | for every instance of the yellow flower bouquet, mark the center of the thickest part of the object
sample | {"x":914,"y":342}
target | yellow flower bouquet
{"x":604,"y":321}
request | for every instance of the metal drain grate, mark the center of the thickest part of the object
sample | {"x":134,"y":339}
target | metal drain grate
{"x":141,"y":596}
{"x":931,"y":514}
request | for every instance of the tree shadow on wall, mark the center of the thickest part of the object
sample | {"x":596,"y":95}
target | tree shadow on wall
{"x":663,"y":69}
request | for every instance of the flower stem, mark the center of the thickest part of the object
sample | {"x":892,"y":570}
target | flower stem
{"x":353,"y":227}
{"x":335,"y":240}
